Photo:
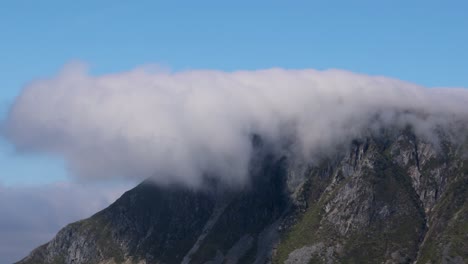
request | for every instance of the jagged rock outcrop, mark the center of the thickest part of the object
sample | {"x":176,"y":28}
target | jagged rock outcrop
{"x":391,"y":198}
{"x":383,"y":203}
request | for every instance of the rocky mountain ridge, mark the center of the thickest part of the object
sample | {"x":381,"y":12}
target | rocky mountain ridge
{"x":391,"y":198}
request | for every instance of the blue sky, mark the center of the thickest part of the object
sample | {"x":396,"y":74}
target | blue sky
{"x":418,"y":41}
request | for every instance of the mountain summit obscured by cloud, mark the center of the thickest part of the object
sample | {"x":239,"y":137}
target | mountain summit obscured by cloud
{"x":180,"y":126}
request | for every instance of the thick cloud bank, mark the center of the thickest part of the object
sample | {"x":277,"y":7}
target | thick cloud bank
{"x":181,"y":126}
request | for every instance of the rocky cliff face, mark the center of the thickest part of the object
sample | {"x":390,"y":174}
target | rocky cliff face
{"x":383,"y":203}
{"x":392,"y":198}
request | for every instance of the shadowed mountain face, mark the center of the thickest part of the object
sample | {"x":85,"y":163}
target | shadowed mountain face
{"x":392,"y":198}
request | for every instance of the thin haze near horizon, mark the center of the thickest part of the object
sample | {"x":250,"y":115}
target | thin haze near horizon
{"x":422,"y":42}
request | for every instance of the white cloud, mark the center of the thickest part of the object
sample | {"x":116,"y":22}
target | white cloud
{"x":178,"y":126}
{"x":31,"y":216}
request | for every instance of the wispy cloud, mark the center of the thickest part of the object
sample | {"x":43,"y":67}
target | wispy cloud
{"x":30,"y":216}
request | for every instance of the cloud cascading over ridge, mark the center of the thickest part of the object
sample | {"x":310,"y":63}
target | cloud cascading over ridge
{"x":179,"y":126}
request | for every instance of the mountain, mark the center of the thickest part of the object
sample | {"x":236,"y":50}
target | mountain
{"x":387,"y":198}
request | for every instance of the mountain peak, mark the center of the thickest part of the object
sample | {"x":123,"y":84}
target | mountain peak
{"x":393,"y":198}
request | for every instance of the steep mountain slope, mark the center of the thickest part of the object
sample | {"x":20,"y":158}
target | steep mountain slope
{"x":388,"y":201}
{"x":392,"y":198}
{"x":173,"y":225}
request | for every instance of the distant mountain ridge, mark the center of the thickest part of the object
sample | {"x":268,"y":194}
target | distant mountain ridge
{"x":388,"y":198}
